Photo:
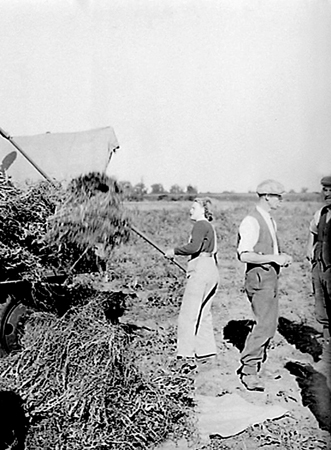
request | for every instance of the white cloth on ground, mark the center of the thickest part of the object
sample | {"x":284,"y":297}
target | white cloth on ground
{"x":230,"y":414}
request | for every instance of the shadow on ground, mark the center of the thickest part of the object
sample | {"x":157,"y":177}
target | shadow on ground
{"x":302,"y":336}
{"x":236,"y":332}
{"x":314,"y":392}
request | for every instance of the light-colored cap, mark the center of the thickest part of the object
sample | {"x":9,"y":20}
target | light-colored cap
{"x":270,"y":187}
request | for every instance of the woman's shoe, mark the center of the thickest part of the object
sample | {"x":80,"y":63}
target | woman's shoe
{"x":205,"y":358}
{"x":252,"y":382}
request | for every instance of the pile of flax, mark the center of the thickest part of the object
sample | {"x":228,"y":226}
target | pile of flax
{"x":23,"y":224}
{"x":91,"y":215}
{"x":44,"y":228}
{"x":87,"y":383}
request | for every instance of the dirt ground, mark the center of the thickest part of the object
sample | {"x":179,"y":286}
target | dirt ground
{"x":292,"y":381}
{"x":219,"y":377}
{"x":290,"y":373}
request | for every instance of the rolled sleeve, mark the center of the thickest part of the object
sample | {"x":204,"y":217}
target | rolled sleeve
{"x":314,"y":222}
{"x":248,"y":235}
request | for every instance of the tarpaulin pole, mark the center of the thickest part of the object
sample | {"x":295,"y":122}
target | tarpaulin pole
{"x":11,"y":140}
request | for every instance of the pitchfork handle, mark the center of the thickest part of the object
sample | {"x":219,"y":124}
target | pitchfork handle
{"x":155,"y":246}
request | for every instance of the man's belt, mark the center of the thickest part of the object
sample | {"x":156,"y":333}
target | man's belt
{"x":267,"y":266}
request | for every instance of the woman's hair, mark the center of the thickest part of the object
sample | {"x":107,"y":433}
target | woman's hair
{"x":206,"y":203}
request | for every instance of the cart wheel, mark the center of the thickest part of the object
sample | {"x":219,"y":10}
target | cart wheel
{"x":11,"y":314}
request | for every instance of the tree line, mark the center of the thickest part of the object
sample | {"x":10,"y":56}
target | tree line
{"x":139,"y":191}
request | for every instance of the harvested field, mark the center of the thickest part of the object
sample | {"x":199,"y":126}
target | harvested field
{"x":161,"y":415}
{"x":159,"y":286}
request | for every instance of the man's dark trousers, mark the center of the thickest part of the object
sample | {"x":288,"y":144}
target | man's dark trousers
{"x":261,"y":285}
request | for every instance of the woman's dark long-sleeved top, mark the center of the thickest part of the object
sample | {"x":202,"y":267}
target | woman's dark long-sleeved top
{"x":202,"y":240}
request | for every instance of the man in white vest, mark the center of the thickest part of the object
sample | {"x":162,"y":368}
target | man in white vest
{"x":258,"y":248}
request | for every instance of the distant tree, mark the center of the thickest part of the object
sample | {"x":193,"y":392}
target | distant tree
{"x":191,"y":189}
{"x":130,"y":192}
{"x":291,"y":191}
{"x":140,"y":189}
{"x":157,"y":188}
{"x":304,"y":190}
{"x":176,"y":189}
{"x":126,"y":187}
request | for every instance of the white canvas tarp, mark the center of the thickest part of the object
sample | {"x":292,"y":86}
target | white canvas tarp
{"x":230,"y":414}
{"x":61,"y":156}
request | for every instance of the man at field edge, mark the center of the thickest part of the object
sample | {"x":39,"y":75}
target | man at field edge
{"x":319,"y":255}
{"x":258,"y":248}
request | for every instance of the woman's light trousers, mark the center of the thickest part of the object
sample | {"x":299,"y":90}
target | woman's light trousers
{"x":195,"y":335}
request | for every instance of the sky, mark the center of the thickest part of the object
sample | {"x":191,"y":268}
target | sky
{"x":218,"y":94}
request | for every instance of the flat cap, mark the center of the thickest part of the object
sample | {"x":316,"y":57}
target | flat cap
{"x":326,"y":181}
{"x":270,"y":187}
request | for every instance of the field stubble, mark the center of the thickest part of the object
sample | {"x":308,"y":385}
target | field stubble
{"x":150,"y":321}
{"x":159,"y":286}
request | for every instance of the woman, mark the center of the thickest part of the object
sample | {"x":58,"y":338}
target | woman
{"x":195,"y":337}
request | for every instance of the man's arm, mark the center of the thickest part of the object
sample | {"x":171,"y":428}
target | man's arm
{"x":310,"y":246}
{"x":282,"y":260}
{"x":249,"y":233}
{"x":312,"y":236}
